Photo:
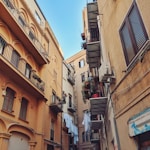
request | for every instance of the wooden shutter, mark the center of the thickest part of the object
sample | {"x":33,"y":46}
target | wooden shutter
{"x":8,"y":100}
{"x":15,"y":58}
{"x":23,"y":109}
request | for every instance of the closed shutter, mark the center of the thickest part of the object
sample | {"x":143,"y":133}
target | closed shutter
{"x":8,"y":100}
{"x":2,"y":45}
{"x":23,"y":109}
{"x":15,"y":58}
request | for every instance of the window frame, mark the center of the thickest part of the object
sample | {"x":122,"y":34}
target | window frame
{"x":82,"y":77}
{"x":8,"y":100}
{"x":70,"y":100}
{"x":28,"y":71}
{"x":21,"y":21}
{"x":54,"y":97}
{"x":127,"y":23}
{"x":52,"y":130}
{"x":81,"y":63}
{"x":2,"y":45}
{"x":15,"y":62}
{"x":23,"y":109}
{"x":37,"y":17}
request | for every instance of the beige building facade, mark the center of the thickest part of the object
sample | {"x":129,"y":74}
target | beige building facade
{"x":30,"y":79}
{"x":116,"y":39}
{"x":82,"y":74}
{"x":123,"y":27}
{"x":124,"y":30}
{"x":69,"y":117}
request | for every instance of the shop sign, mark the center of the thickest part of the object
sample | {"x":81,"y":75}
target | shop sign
{"x":139,"y":123}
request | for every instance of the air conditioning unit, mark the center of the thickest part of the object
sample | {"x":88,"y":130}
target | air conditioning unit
{"x":106,"y":74}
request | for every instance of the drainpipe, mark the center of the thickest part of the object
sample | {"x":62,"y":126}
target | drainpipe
{"x":61,"y":131}
{"x":114,"y":121}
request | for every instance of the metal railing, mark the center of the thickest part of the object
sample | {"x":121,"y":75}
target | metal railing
{"x":25,"y":27}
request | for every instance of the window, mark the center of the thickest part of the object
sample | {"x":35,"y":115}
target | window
{"x":28,"y":71}
{"x":53,"y":97}
{"x":81,"y":63}
{"x":133,"y":34}
{"x":8,"y":100}
{"x":31,"y":35}
{"x":2,"y":45}
{"x":15,"y":58}
{"x":21,"y":21}
{"x":23,"y":109}
{"x":52,"y":131}
{"x":82,"y":77}
{"x":85,"y":137}
{"x":71,"y":142}
{"x":70,"y":100}
{"x":37,"y":17}
{"x":64,"y":97}
{"x":50,"y":147}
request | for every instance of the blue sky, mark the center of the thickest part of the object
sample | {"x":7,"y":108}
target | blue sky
{"x":65,"y":19}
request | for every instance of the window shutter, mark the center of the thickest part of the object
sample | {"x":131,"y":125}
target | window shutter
{"x":129,"y":53}
{"x":23,"y":109}
{"x":137,"y":28}
{"x":8,"y":100}
{"x":2,"y":45}
{"x":15,"y":58}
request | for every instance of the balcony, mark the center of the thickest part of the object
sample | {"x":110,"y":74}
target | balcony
{"x":71,"y":79}
{"x":98,"y":105}
{"x":72,"y":108}
{"x":96,"y":124}
{"x":56,"y":105}
{"x":92,"y":88}
{"x":95,"y":137}
{"x":92,"y":13}
{"x":34,"y":86}
{"x":93,"y":54}
{"x":93,"y":42}
{"x":22,"y":31}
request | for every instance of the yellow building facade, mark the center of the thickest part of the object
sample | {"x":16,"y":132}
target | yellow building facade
{"x":30,"y":78}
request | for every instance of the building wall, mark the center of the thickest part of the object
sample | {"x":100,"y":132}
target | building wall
{"x":130,"y":93}
{"x":44,"y":55}
{"x":81,"y":104}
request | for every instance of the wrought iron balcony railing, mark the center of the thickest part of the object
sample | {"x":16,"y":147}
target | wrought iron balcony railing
{"x":6,"y":53}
